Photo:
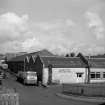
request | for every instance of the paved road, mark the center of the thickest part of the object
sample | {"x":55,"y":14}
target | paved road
{"x":31,"y":95}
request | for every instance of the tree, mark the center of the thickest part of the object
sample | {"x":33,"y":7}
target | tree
{"x":67,"y":55}
{"x":72,"y":54}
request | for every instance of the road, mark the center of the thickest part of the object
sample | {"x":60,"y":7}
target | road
{"x":32,"y":95}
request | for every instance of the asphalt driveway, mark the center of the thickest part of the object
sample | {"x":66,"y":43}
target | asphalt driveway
{"x":32,"y":95}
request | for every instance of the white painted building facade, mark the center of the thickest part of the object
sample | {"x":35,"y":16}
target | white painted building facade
{"x":65,"y":75}
{"x":62,"y":70}
{"x":98,"y":75}
{"x":97,"y":70}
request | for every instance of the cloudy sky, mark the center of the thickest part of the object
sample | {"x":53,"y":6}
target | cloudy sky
{"x":61,"y":26}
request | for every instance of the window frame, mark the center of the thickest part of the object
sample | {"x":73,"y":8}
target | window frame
{"x":97,"y":75}
{"x":103,"y":75}
{"x":92,"y":73}
{"x":79,"y":74}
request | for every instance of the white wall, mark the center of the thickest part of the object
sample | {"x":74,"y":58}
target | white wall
{"x":68,"y":75}
{"x":45,"y":76}
{"x":101,"y":70}
{"x":64,"y":75}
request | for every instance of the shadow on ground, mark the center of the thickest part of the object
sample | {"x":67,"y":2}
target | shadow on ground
{"x":102,"y":104}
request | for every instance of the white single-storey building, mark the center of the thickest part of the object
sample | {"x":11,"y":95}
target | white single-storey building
{"x":60,"y":70}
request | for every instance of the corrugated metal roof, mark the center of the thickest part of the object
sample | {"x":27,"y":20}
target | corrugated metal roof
{"x":63,"y":62}
{"x":97,"y":62}
{"x":40,"y":53}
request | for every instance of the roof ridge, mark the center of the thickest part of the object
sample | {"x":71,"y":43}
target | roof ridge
{"x":96,"y":58}
{"x":59,"y":57}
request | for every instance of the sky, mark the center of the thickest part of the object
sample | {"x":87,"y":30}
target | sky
{"x":61,"y":26}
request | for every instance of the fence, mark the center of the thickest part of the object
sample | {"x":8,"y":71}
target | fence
{"x":9,"y":97}
{"x":85,"y":89}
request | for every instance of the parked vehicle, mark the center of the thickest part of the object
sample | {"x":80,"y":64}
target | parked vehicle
{"x":2,"y":76}
{"x":28,"y":77}
{"x":3,"y":65}
{"x":3,"y":69}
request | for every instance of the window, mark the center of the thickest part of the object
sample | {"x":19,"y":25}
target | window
{"x":103,"y":74}
{"x":79,"y":75}
{"x":95,"y":75}
{"x":92,"y":74}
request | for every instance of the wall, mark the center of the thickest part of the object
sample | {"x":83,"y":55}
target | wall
{"x":38,"y":67}
{"x":15,"y":66}
{"x":85,"y":89}
{"x":68,"y":75}
{"x":64,"y":75}
{"x":45,"y":76}
{"x":101,"y":70}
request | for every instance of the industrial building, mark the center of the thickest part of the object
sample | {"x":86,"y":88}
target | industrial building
{"x":60,"y":69}
{"x":53,"y":69}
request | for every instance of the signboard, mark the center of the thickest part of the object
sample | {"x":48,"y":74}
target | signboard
{"x":64,"y":71}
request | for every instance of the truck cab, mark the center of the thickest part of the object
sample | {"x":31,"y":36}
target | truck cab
{"x":27,"y":77}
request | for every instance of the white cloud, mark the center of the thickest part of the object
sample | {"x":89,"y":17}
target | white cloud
{"x":88,"y":49}
{"x":54,"y":25}
{"x":14,"y":30}
{"x":51,"y":35}
{"x":16,"y":33}
{"x":60,"y":36}
{"x":31,"y":44}
{"x":96,"y":24}
{"x":12,"y":27}
{"x":94,"y":50}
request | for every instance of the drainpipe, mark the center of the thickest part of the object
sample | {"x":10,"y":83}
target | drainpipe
{"x":86,"y":75}
{"x":88,"y":81}
{"x":85,"y":60}
{"x":24,"y":65}
{"x":88,"y":71}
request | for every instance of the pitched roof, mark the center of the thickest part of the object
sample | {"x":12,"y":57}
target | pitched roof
{"x":12,"y":55}
{"x":27,"y":59}
{"x":97,"y":62}
{"x":63,"y":62}
{"x":40,"y":53}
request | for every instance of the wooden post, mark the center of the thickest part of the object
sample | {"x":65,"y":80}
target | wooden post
{"x":9,"y":99}
{"x":17,"y":99}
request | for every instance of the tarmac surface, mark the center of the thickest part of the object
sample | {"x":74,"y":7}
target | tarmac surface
{"x":33,"y":95}
{"x":82,"y":98}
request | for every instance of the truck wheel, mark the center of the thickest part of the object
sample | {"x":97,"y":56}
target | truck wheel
{"x":24,"y":82}
{"x":18,"y":79}
{"x":0,"y":82}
